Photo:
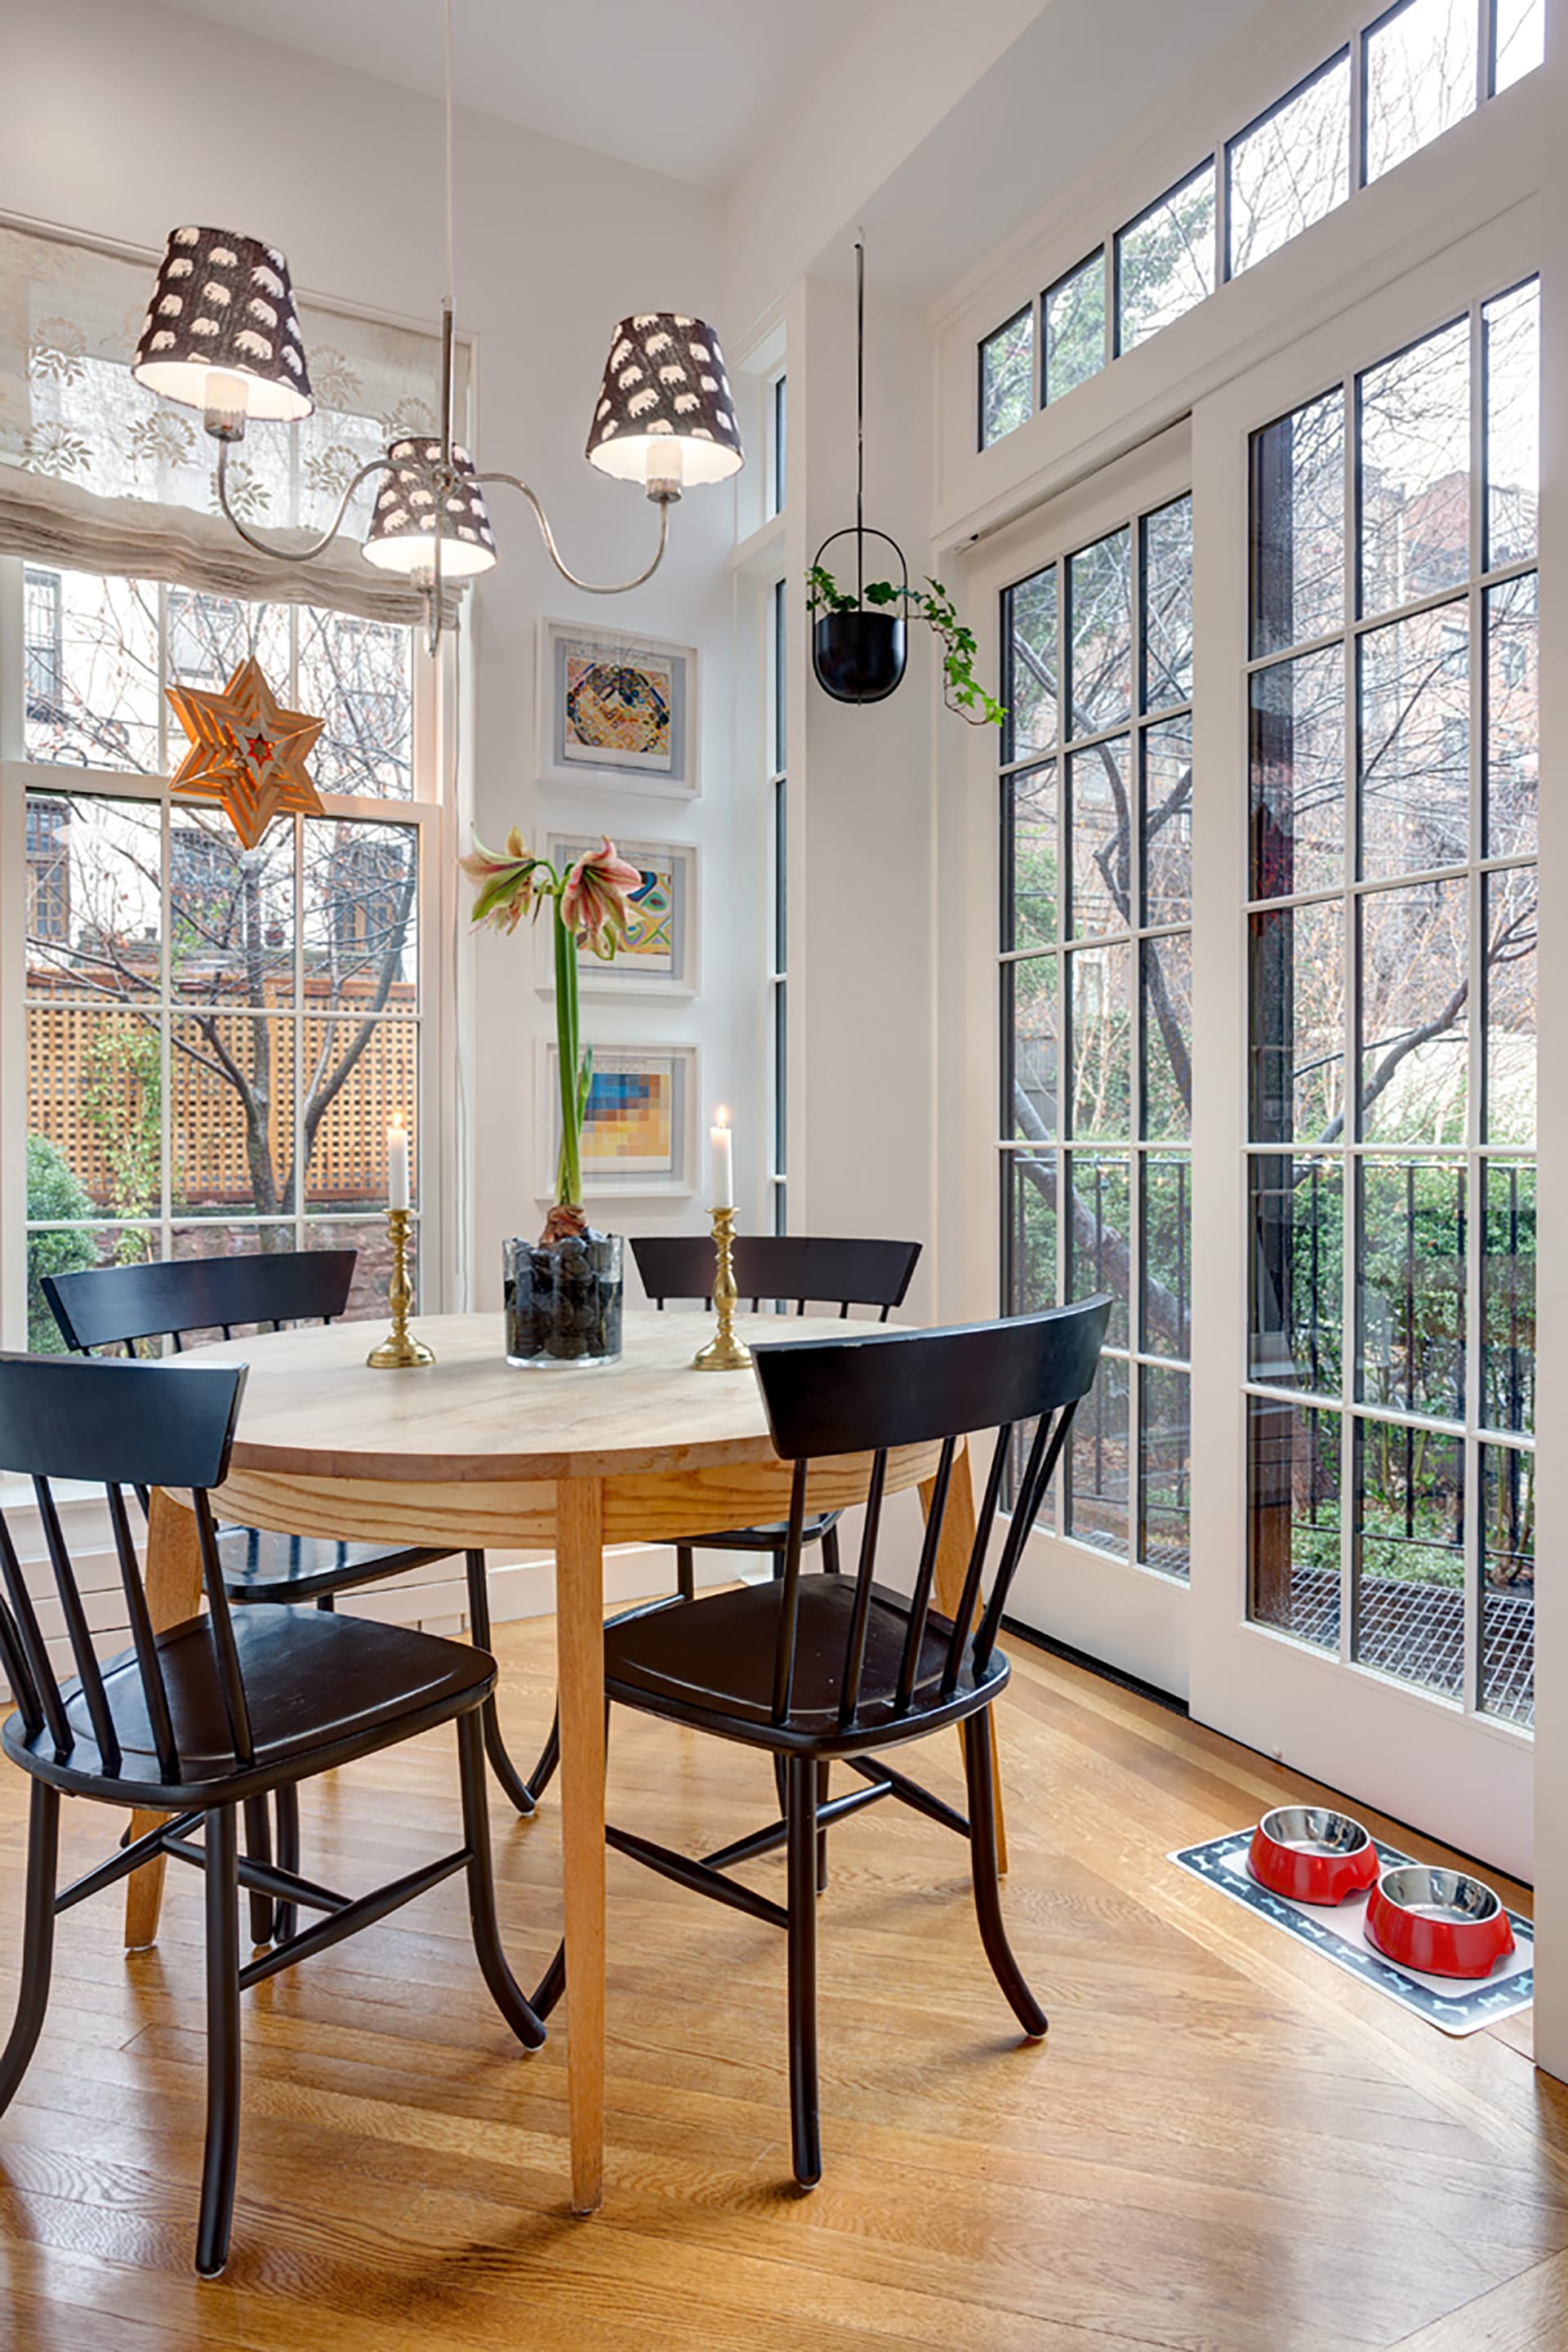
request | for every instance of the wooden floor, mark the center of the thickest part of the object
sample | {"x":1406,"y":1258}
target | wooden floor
{"x":1226,"y":2145}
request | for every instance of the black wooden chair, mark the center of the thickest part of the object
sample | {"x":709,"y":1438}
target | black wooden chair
{"x":820,"y":1669}
{"x":125,"y":1306}
{"x":204,"y":1719}
{"x":784,"y":1269}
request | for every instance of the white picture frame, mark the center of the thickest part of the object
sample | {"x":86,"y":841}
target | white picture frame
{"x":667,"y":1169}
{"x":652,"y":965}
{"x":615,"y":707}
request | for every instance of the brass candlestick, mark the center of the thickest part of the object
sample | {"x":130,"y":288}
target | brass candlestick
{"x":400,"y":1348}
{"x":724,"y":1353}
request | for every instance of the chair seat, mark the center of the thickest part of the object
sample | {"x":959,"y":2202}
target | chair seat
{"x":259,"y":1566}
{"x":711,"y":1662}
{"x":314,"y":1682}
{"x":770,"y":1538}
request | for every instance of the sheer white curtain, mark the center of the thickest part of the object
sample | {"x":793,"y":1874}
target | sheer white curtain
{"x":97,"y":473}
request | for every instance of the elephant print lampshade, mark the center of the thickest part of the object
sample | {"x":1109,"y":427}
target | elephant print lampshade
{"x":414,"y":503}
{"x":664,"y":411}
{"x":223,"y":307}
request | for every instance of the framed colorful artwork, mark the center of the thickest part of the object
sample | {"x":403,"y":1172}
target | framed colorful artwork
{"x":617,"y":709}
{"x":659,"y":958}
{"x":640,"y":1133}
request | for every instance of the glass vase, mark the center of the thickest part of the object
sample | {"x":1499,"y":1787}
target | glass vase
{"x":561,"y":1301}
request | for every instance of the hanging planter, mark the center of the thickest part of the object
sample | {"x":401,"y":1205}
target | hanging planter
{"x":858,"y":653}
{"x":859,"y":636}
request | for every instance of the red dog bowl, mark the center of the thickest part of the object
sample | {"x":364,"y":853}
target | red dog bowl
{"x":1312,"y":1854}
{"x":1441,"y":1921}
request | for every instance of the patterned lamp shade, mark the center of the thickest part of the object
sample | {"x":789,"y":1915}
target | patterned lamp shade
{"x":222,"y":306}
{"x":665,"y":384}
{"x":410,"y":504}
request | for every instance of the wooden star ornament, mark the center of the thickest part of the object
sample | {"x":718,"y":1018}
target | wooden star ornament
{"x":246,"y":756}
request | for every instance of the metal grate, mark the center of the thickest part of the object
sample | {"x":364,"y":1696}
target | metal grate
{"x":1418,"y":1632}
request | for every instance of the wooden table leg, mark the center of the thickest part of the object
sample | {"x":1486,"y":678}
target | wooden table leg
{"x":952,"y":1566}
{"x":579,"y":1654}
{"x":173,"y":1593}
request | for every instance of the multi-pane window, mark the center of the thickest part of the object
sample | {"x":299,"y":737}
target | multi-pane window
{"x":1393,"y":921}
{"x":1165,"y":259}
{"x":778,"y":445}
{"x":1289,"y":169}
{"x":1008,"y":377}
{"x":1425,"y":64}
{"x":778,"y":977}
{"x":1096,"y":963}
{"x":216,"y":1038}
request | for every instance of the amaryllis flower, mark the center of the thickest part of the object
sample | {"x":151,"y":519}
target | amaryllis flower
{"x":595,"y":900}
{"x":505,"y":890}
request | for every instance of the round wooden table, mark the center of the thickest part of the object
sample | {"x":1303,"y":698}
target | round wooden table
{"x":467,"y":1452}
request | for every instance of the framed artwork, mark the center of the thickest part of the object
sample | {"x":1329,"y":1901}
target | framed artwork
{"x":659,"y":958}
{"x":640,"y":1131}
{"x":617,"y":709}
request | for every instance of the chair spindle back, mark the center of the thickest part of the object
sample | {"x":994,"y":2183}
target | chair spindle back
{"x":116,"y":1305}
{"x":786,"y":1269}
{"x":886,"y":1389}
{"x":112,"y":1424}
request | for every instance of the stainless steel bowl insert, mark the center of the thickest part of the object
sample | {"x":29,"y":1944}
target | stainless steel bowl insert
{"x":1314,"y":1829}
{"x":1428,"y":1893}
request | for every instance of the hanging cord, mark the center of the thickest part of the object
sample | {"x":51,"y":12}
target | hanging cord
{"x":451,"y":267}
{"x":859,"y":416}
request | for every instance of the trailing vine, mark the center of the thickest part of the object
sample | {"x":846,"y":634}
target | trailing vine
{"x":961,"y":690}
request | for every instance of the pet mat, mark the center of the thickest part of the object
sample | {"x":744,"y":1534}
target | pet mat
{"x":1454,"y":2004}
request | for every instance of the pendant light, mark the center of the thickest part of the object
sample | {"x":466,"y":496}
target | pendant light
{"x":222,"y":336}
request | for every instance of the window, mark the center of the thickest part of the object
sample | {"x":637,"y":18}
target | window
{"x":1165,"y":259}
{"x":1285,"y":171}
{"x":1393,"y":920}
{"x":1289,"y":169}
{"x":778,"y":445}
{"x":778,"y":981}
{"x":1075,"y":329}
{"x":1418,"y":76}
{"x":216,"y":1039}
{"x":43,"y":647}
{"x":1519,"y":39}
{"x":1095,"y":969}
{"x":1008,"y":377}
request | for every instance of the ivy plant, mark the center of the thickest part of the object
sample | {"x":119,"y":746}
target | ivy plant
{"x":961,"y":690}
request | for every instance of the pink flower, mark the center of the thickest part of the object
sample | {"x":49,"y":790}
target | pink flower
{"x":595,"y":899}
{"x":506,"y":890}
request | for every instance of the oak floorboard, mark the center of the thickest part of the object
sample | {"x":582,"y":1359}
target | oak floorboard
{"x":1224,"y":2146}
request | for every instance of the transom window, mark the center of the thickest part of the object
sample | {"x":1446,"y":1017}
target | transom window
{"x":216,"y":1038}
{"x":1096,"y":991}
{"x":1393,"y":920}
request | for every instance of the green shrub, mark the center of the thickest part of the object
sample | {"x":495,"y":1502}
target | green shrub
{"x":54,"y":1191}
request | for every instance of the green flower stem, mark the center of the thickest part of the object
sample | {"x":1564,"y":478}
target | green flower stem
{"x":569,"y":1175}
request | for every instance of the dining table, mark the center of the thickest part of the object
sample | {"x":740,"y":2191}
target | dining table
{"x":467,"y":1452}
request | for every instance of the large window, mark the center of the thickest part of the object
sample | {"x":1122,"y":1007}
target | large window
{"x":216,"y":1038}
{"x":1392,"y":917}
{"x":1095,"y":959}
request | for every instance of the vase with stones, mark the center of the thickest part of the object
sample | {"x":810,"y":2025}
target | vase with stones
{"x":562,"y":1294}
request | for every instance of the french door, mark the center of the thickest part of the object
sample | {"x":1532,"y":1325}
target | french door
{"x":1364,"y":1084}
{"x":1256,"y":863}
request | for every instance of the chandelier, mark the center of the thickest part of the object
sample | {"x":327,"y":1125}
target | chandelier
{"x":222,"y":336}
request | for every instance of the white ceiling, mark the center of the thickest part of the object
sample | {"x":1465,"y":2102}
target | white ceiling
{"x":687,"y":87}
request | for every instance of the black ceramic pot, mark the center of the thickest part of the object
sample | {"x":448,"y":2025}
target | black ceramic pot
{"x":860,"y":657}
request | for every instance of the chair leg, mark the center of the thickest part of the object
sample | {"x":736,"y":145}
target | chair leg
{"x":685,"y":1572}
{"x":513,"y":1786}
{"x":823,"y":1774}
{"x":984,"y":1869}
{"x":286,"y":1798}
{"x":222,"y":2151}
{"x":37,"y":1938}
{"x":544,"y":1772}
{"x":830,"y":1551}
{"x":805,"y":2125}
{"x":259,"y":1846}
{"x":505,"y":1991}
{"x":329,"y":1601}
